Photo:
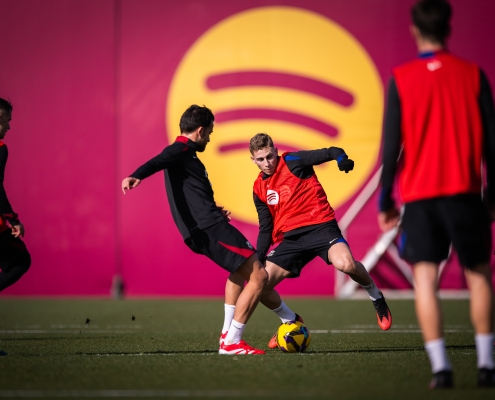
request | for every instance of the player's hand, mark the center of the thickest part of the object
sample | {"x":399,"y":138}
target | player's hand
{"x":18,"y":230}
{"x":130,"y":183}
{"x":346,"y":165}
{"x":388,"y":219}
{"x":226,"y":213}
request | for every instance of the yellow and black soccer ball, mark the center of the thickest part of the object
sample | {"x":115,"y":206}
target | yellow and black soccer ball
{"x":293,"y":337}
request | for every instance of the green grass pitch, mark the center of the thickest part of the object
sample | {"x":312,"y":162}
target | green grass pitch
{"x":165,"y":348}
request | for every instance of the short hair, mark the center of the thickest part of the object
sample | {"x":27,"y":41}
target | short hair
{"x":195,"y":117}
{"x":432,"y":18}
{"x":260,"y":141}
{"x":6,"y":105}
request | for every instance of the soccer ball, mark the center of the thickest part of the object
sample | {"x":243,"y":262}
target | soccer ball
{"x":293,"y":337}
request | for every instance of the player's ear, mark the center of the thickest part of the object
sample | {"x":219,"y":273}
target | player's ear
{"x":252,"y":159}
{"x":200,"y":131}
{"x":275,"y":151}
{"x":414,"y":31}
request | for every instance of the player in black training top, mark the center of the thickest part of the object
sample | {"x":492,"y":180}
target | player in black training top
{"x":14,"y":257}
{"x":204,"y":225}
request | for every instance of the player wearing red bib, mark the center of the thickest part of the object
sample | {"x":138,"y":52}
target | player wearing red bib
{"x":440,"y":108}
{"x":294,"y":215}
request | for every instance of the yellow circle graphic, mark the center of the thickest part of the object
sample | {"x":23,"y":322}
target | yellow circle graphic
{"x":293,"y":74}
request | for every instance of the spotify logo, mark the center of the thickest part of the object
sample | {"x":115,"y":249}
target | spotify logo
{"x":293,"y":74}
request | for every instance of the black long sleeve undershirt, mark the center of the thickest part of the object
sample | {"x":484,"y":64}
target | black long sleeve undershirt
{"x":488,"y":119}
{"x":391,"y":145}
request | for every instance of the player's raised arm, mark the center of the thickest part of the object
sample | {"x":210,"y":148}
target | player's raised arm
{"x":306,"y":158}
{"x":158,"y":163}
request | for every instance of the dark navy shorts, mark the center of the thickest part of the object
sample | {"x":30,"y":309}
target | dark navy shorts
{"x":430,"y":226}
{"x":223,"y":244}
{"x":295,"y":251}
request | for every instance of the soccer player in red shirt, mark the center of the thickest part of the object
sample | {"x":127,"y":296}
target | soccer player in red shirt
{"x":440,"y":109}
{"x":295,"y":215}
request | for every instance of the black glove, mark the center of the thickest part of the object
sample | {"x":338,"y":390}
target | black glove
{"x":346,"y":165}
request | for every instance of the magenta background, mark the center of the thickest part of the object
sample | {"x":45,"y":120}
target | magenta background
{"x":89,"y":81}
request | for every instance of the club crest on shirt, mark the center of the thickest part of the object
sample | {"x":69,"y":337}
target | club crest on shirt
{"x":272,"y":197}
{"x":434,"y":65}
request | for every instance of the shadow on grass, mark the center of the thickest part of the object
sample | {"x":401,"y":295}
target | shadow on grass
{"x":382,"y":350}
{"x":386,"y":350}
{"x":60,"y":338}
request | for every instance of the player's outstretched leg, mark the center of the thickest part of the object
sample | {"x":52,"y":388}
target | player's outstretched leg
{"x":252,"y":271}
{"x":272,"y":300}
{"x":341,"y":258}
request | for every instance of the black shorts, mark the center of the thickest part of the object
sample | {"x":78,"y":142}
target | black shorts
{"x":295,"y":251}
{"x":13,"y":251}
{"x":430,"y":226}
{"x":223,"y":244}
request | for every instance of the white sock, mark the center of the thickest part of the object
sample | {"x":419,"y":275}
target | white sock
{"x":228,"y":317}
{"x":235,"y":332}
{"x":484,"y":350}
{"x":373,"y":291}
{"x":285,"y":313}
{"x":438,"y":355}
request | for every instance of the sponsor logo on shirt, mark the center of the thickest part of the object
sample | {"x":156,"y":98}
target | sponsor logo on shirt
{"x":271,"y":253}
{"x":250,"y":245}
{"x":272,"y":197}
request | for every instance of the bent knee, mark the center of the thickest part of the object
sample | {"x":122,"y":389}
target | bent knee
{"x":346,"y":265}
{"x":260,"y":276}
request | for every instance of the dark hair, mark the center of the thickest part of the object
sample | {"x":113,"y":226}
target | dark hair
{"x":195,"y":117}
{"x":5,"y":105}
{"x":432,"y":18}
{"x":260,"y":141}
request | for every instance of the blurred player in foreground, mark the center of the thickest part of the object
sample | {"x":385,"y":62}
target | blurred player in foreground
{"x":294,"y":213}
{"x":440,"y":108}
{"x":203,"y":225}
{"x":14,"y":256}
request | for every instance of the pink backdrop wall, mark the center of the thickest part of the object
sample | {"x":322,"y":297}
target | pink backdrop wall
{"x":89,"y":82}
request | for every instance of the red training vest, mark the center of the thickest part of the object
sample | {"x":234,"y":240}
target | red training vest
{"x":441,"y":127}
{"x":293,"y":202}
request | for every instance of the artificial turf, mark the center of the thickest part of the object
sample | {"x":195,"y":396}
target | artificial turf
{"x":66,"y":348}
